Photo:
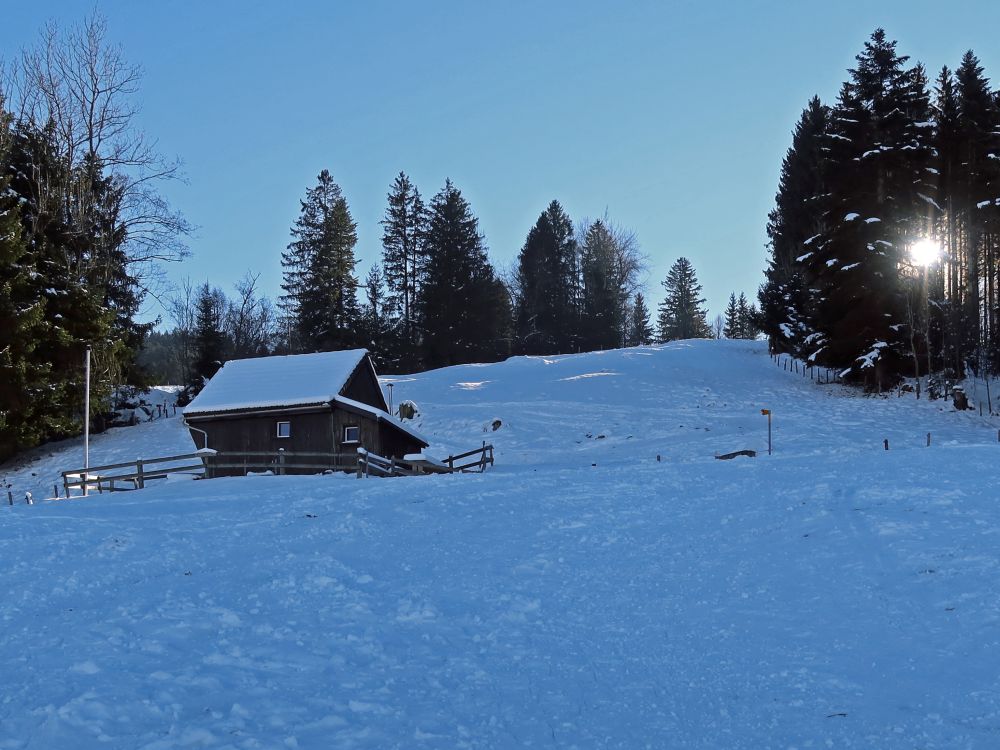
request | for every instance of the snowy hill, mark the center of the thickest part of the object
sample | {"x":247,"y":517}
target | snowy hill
{"x":582,"y":594}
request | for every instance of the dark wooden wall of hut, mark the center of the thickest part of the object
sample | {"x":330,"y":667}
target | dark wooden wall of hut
{"x":250,"y":432}
{"x":369,"y":437}
{"x":397,"y":444}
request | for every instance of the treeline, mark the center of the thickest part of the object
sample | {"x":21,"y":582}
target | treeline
{"x":871,"y":187}
{"x":435,"y":299}
{"x":81,"y":227}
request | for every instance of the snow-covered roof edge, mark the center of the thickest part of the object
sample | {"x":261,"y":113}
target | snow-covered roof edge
{"x":381,"y":415}
{"x":292,"y":380}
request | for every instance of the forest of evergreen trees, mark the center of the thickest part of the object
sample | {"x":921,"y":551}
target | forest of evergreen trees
{"x":435,"y":299}
{"x":871,"y":188}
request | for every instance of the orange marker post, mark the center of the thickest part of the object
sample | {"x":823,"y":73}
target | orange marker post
{"x":767,"y":413}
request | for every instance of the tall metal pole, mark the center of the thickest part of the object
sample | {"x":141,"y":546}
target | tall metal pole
{"x":86,"y":421}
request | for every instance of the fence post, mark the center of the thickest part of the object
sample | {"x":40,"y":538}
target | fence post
{"x":66,"y":483}
{"x":360,"y":467}
{"x":928,"y":440}
{"x":392,"y":465}
{"x":10,"y":497}
{"x":451,"y":465}
{"x":140,"y":479}
{"x":886,"y":443}
{"x":281,"y":461}
{"x":55,"y":492}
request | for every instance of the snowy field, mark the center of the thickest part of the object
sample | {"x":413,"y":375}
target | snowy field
{"x":580,"y":595}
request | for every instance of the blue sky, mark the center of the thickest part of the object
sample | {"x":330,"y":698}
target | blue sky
{"x":671,"y":116}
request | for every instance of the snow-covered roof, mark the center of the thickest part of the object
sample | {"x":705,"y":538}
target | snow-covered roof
{"x":290,"y":380}
{"x":382,"y":416}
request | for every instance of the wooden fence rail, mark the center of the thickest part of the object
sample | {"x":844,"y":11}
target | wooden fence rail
{"x":212,"y":463}
{"x":95,"y":477}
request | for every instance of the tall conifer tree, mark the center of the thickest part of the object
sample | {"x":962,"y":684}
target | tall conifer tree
{"x":682,"y":314}
{"x":404,"y":230}
{"x":320,"y":290}
{"x":465,"y":309}
{"x":546,"y":269}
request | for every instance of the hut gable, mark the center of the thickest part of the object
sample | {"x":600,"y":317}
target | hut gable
{"x":362,"y":385}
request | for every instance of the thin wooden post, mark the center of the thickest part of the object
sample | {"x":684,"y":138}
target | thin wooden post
{"x":66,"y":479}
{"x":392,"y":464}
{"x":140,"y":479}
{"x":928,"y":440}
{"x":10,"y":497}
{"x":281,"y":461}
{"x":55,"y":492}
{"x":886,"y":443}
{"x":360,"y":468}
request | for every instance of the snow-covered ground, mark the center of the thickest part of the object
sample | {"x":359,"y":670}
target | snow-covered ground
{"x":580,"y":595}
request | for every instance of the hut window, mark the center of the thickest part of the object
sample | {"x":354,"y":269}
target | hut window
{"x":284,"y":429}
{"x":352,"y":433}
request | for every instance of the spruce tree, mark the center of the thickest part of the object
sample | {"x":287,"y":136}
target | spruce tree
{"x":954,"y":295}
{"x":731,"y":329}
{"x":602,"y":323}
{"x":376,"y":330}
{"x":464,"y":307}
{"x":404,"y":229}
{"x":320,"y":290}
{"x":640,"y":331}
{"x":546,"y":269}
{"x":22,"y":375}
{"x":977,"y":188}
{"x":880,"y":202}
{"x":209,"y":339}
{"x":794,"y":227}
{"x":682,"y":314}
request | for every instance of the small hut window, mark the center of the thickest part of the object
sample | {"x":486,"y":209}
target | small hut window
{"x":284,"y":429}
{"x":352,"y":434}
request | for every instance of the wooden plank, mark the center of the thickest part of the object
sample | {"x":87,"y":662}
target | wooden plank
{"x":275,"y":454}
{"x":99,"y":468}
{"x":165,"y":459}
{"x":472,"y":452}
{"x":270,"y":467}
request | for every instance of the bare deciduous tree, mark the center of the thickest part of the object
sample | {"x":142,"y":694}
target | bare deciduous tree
{"x":250,"y":319}
{"x":82,"y":86}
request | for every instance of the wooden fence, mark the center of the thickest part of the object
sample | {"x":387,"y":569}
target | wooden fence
{"x":133,"y":475}
{"x":142,"y":471}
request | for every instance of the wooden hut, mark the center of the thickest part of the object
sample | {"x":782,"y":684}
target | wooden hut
{"x":328,"y":403}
